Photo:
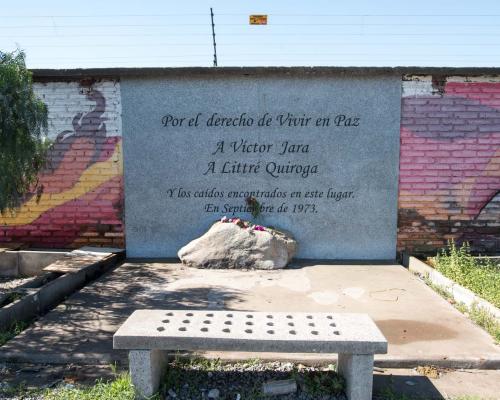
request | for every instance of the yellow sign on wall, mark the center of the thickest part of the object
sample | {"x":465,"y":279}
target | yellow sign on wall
{"x":258,"y":19}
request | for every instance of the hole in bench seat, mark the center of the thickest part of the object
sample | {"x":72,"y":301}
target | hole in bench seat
{"x":226,"y":330}
{"x":248,"y":331}
{"x":204,"y":329}
{"x":183,"y":329}
{"x":314,"y":332}
{"x":292,"y":332}
{"x":160,"y":329}
{"x":271,"y":332}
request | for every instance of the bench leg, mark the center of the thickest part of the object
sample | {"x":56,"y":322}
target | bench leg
{"x":146,"y":368}
{"x":357,"y":369}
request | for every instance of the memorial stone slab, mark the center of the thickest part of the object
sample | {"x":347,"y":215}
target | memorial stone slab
{"x":319,"y":152}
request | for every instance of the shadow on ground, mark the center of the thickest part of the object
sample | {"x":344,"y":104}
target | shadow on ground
{"x":392,"y":387}
{"x":94,"y":314}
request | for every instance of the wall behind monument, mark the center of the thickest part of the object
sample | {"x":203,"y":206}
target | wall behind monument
{"x":82,"y":191}
{"x":449,"y":166}
{"x":450,"y":163}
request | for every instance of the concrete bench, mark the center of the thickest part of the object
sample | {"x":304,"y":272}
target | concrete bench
{"x":150,"y":334}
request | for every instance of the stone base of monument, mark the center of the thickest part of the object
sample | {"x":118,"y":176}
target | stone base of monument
{"x":150,"y":335}
{"x":239,"y":245}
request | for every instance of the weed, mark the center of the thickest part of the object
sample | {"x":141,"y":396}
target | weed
{"x":119,"y":388}
{"x":390,"y":394}
{"x":19,"y":391}
{"x":255,"y":207}
{"x":485,"y":320}
{"x":477,"y":314}
{"x":323,"y":382}
{"x":15,"y":329}
{"x":481,"y":275}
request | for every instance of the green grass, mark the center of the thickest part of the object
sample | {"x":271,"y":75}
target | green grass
{"x":119,"y":388}
{"x":481,"y":275}
{"x":320,"y":383}
{"x":467,"y":398}
{"x":484,"y":319}
{"x":478,"y":315}
{"x":390,"y":394}
{"x":15,"y":329}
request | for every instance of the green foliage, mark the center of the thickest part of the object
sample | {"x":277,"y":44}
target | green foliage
{"x":320,"y":383}
{"x":389,"y":394}
{"x":15,"y":329}
{"x":120,"y":388}
{"x":478,"y":315}
{"x":254,"y":205}
{"x":23,"y":124}
{"x":482,"y":276}
{"x":485,"y":320}
{"x":468,"y":398}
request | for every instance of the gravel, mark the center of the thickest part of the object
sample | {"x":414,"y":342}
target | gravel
{"x":7,"y":284}
{"x":205,"y":379}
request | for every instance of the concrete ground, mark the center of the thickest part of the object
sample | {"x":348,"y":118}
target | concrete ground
{"x":421,"y":327}
{"x":478,"y":384}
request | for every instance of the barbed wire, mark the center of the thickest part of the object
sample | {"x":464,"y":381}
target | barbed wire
{"x":369,"y":15}
{"x":416,"y":31}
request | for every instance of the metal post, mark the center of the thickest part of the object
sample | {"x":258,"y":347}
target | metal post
{"x":213,"y":36}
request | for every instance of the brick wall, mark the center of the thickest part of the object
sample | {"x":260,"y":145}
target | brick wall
{"x":81,"y":201}
{"x":450,"y":163}
{"x":449,"y":171}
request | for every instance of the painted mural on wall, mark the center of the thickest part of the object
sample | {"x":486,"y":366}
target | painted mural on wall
{"x":81,"y":201}
{"x":449,"y":166}
{"x":450,"y":163}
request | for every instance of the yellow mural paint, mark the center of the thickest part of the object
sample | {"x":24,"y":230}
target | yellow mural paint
{"x":94,"y":176}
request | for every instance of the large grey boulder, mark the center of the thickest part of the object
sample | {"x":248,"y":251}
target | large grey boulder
{"x":228,"y":245}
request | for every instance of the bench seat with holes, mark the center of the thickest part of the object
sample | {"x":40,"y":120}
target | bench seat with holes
{"x":150,"y":335}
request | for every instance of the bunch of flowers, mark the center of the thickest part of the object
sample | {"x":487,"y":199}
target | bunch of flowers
{"x":243,"y":224}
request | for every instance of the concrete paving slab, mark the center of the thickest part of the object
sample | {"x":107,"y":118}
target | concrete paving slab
{"x":420,"y":326}
{"x":479,"y":384}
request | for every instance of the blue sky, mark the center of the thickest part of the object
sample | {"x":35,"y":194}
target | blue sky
{"x":114,"y":33}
